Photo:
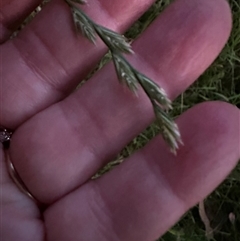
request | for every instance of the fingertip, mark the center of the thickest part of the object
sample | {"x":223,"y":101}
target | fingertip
{"x":194,"y":34}
{"x":211,"y":134}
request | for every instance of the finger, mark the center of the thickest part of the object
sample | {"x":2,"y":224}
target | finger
{"x":48,"y":59}
{"x":142,"y":198}
{"x":96,"y":122}
{"x":12,"y":15}
{"x":20,"y":217}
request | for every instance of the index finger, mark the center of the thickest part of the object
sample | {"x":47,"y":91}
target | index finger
{"x":47,"y":59}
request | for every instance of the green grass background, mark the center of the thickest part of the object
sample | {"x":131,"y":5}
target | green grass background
{"x":220,"y":82}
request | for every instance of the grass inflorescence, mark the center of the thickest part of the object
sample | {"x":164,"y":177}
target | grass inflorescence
{"x":126,"y":73}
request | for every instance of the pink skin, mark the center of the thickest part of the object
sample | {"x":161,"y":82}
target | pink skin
{"x":58,"y":61}
{"x":57,"y":150}
{"x":88,"y":139}
{"x":12,"y":14}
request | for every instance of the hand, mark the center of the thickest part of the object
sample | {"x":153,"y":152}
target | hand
{"x":61,"y":139}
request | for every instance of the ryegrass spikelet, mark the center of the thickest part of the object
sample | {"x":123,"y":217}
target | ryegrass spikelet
{"x":132,"y":78}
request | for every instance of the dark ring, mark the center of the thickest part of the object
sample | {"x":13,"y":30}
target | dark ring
{"x":5,"y":136}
